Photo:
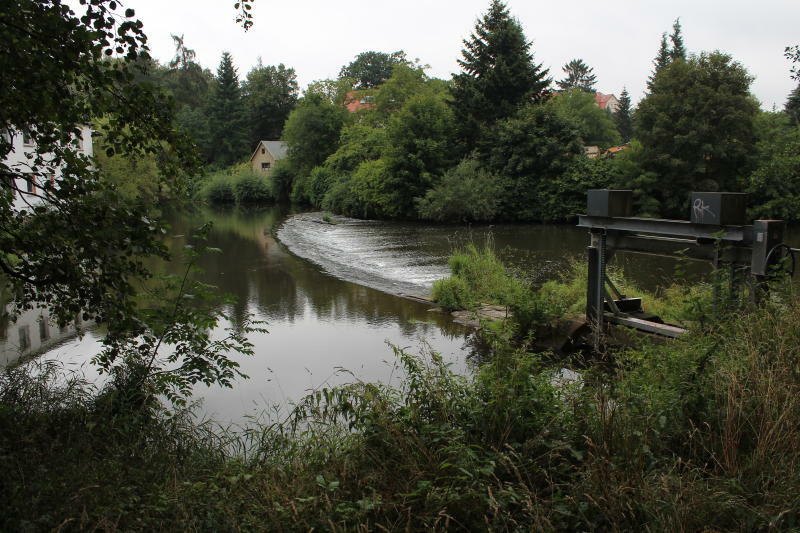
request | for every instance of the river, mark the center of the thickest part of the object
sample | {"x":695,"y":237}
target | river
{"x":329,"y":296}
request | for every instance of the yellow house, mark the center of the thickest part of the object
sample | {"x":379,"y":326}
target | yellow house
{"x":267,"y":153}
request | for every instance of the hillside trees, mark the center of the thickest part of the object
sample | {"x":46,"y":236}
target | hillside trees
{"x":498,"y":75}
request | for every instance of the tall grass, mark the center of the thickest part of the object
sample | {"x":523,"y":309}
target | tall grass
{"x":697,"y":434}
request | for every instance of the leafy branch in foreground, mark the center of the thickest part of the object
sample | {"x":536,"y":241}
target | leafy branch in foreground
{"x":178,"y":347}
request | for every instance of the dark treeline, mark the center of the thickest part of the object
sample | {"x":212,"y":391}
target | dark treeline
{"x":225,"y":116}
{"x":499,"y":142}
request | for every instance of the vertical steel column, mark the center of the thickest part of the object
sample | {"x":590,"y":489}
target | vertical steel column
{"x":596,"y":285}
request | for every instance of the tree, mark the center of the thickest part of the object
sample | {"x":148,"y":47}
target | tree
{"x":185,"y":79}
{"x":370,"y":69}
{"x":419,"y":148}
{"x":579,"y":76}
{"x":678,"y":50}
{"x":312,"y":132}
{"x":498,"y":74}
{"x":773,"y":186}
{"x":624,"y":116}
{"x":226,"y":115}
{"x":528,"y":151}
{"x":270,"y":94}
{"x":82,"y":248}
{"x":660,"y":62}
{"x":595,"y":125}
{"x":696,"y":129}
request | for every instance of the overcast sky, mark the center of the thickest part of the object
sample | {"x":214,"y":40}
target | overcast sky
{"x":618,"y":39}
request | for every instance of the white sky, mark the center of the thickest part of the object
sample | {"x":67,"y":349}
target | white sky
{"x":618,"y":39}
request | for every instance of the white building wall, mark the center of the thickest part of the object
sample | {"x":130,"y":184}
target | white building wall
{"x":20,"y":159}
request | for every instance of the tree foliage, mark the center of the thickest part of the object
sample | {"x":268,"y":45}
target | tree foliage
{"x":370,"y":69}
{"x":526,"y":151}
{"x":312,"y":132}
{"x":226,"y":114}
{"x":270,"y":94}
{"x":595,"y":125}
{"x":578,"y":76}
{"x":678,"y":50}
{"x":696,"y":129}
{"x":498,"y":74}
{"x":660,"y":62}
{"x":623,"y":117}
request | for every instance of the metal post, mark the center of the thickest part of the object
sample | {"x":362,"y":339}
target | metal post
{"x":596,"y":286}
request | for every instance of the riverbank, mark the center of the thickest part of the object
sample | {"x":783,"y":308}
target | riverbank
{"x":699,"y":433}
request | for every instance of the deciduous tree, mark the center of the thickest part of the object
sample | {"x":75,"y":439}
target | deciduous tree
{"x":595,"y":125}
{"x":370,"y":69}
{"x":270,"y":94}
{"x":696,"y":129}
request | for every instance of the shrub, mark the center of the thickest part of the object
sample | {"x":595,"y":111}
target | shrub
{"x":249,"y":187}
{"x":218,"y":189}
{"x":467,"y":193}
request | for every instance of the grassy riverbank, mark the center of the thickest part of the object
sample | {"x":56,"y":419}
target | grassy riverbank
{"x":700,"y":433}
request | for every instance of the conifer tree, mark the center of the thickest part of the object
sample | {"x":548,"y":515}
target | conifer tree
{"x":226,"y":112}
{"x":624,"y":117}
{"x":678,"y":50}
{"x":579,"y":76}
{"x":662,"y":60}
{"x":498,"y":74}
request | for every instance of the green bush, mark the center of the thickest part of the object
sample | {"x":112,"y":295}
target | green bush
{"x":250,"y":187}
{"x":218,"y":189}
{"x":237,"y":185}
{"x":467,"y":193}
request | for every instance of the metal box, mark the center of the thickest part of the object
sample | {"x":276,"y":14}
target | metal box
{"x":609,"y":203}
{"x":767,"y":234}
{"x":719,"y":208}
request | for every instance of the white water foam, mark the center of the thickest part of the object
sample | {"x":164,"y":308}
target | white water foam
{"x":384,"y":256}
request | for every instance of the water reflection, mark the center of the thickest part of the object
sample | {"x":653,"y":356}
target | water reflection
{"x":326,"y":330}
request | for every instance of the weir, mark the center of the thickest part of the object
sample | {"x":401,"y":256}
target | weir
{"x":716,"y":232}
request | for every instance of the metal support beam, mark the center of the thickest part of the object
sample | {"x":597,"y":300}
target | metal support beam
{"x":674,"y":228}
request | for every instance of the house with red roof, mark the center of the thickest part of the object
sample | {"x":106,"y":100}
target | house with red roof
{"x":606,"y":101}
{"x":358,"y":100}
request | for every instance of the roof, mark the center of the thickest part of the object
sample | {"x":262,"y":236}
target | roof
{"x":356,"y":100}
{"x":278,"y":149}
{"x":603,"y":99}
{"x":616,"y":149}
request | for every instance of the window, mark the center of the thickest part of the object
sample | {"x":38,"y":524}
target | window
{"x":265,"y":166}
{"x":263,"y":151}
{"x":24,"y":338}
{"x":44,"y":329}
{"x":26,"y":138}
{"x":30,"y":182}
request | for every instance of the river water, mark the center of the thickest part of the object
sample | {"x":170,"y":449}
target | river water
{"x":329,"y":296}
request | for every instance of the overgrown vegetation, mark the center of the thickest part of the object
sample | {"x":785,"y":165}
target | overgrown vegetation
{"x":238,"y":185}
{"x":696,"y":434}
